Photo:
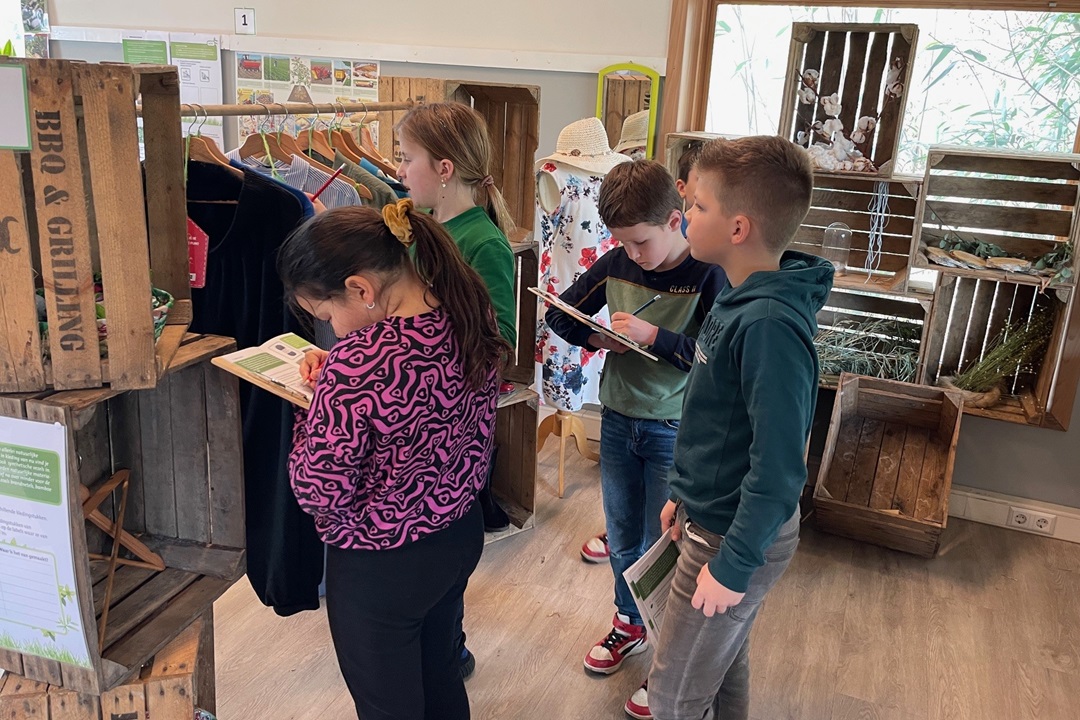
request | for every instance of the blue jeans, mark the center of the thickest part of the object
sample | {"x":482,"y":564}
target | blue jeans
{"x":635,"y":456}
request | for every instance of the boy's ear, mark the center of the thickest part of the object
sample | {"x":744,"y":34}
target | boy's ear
{"x":680,"y":185}
{"x":674,"y":222}
{"x":740,"y":229}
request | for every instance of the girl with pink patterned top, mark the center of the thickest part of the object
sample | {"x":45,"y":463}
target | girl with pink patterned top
{"x":392,"y":454}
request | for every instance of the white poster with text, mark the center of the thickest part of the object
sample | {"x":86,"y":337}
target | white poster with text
{"x":39,"y":604}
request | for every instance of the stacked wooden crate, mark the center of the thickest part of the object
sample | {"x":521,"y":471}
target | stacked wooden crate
{"x":154,"y":475}
{"x":172,"y":684}
{"x":72,"y":208}
{"x":181,"y":446}
{"x":512,"y":113}
{"x":624,"y":95}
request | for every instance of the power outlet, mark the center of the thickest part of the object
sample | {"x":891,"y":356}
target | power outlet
{"x":1032,"y":520}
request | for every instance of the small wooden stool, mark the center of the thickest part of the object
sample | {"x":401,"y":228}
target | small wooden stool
{"x":564,"y":424}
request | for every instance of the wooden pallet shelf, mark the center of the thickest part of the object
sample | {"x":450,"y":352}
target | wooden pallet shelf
{"x":853,"y":60}
{"x":969,"y":313}
{"x":178,"y":679}
{"x":1028,"y":204}
{"x":86,"y":145}
{"x":180,"y":444}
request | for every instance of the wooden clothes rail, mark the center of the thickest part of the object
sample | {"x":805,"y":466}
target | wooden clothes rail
{"x":192,"y":110}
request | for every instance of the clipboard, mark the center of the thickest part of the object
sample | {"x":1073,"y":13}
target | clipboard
{"x":573,"y":312}
{"x":280,"y":389}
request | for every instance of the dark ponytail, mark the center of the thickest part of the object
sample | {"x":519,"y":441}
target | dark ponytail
{"x":322,"y":253}
{"x":463,"y":295}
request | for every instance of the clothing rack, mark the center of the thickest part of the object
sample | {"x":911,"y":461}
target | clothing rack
{"x":270,"y":109}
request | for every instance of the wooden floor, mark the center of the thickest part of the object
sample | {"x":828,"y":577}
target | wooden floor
{"x":990,"y":630}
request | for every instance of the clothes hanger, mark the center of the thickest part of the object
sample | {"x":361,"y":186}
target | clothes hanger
{"x":266,"y":146}
{"x":207,"y":147}
{"x":201,"y":149}
{"x":196,"y":148}
{"x":314,"y":141}
{"x":360,"y":189}
{"x":337,"y":137}
{"x":373,"y":157}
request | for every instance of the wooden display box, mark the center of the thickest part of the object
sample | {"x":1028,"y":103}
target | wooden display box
{"x":513,"y":481}
{"x":675,"y":145}
{"x":968,"y":314}
{"x":887,"y":468}
{"x":72,"y":208}
{"x":868,"y":65}
{"x":848,"y":199}
{"x":513,"y":117}
{"x":1028,"y":204}
{"x":182,"y":444}
{"x":904,"y":319}
{"x":170,"y":686}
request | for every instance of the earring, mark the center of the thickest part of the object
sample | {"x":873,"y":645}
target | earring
{"x":370,"y":306}
{"x":444,"y":186}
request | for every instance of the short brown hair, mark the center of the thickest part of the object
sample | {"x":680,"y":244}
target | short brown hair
{"x":766,"y":178}
{"x":689,"y":157}
{"x":636,"y":192}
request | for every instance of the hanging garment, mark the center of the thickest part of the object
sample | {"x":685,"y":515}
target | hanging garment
{"x":381,"y":194}
{"x":301,"y":175}
{"x":396,"y":186}
{"x":572,"y":236}
{"x":243,"y":299}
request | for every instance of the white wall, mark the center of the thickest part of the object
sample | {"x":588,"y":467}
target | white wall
{"x":637,"y":27}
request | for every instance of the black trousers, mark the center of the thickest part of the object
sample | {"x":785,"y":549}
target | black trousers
{"x":392,"y":617}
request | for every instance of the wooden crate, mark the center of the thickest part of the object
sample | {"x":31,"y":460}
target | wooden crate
{"x":71,"y":207}
{"x":170,"y":686}
{"x":854,"y":61}
{"x":624,"y":95}
{"x":887,"y":468}
{"x":513,"y":117}
{"x":849,"y":199}
{"x":513,"y":480}
{"x":181,"y":443}
{"x":905,"y":320}
{"x":1026,"y":203}
{"x":522,"y":366}
{"x":675,"y":145}
{"x":968,"y":314}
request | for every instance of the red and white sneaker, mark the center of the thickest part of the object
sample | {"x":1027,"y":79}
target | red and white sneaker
{"x":638,"y":704}
{"x":624,"y":640}
{"x":596,"y":549}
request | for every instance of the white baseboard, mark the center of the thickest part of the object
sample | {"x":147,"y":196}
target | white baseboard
{"x":992,"y":508}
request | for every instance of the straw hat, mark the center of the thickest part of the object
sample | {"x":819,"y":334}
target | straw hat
{"x":584,"y":145}
{"x":635,"y":131}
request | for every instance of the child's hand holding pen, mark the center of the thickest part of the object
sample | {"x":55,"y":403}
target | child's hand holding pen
{"x":311,"y":365}
{"x":630,"y":325}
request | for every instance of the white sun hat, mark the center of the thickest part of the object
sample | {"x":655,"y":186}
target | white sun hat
{"x":584,"y":145}
{"x":635,"y":131}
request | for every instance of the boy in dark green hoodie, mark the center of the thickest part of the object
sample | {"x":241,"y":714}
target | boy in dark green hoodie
{"x":739,"y":456}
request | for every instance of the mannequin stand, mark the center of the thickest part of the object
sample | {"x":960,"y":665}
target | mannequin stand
{"x":564,"y":424}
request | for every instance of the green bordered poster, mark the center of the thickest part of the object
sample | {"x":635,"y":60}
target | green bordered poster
{"x":39,"y":604}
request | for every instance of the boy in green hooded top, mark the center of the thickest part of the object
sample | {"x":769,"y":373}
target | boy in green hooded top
{"x":739,"y":457}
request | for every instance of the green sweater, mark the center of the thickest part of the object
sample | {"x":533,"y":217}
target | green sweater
{"x":488,"y":252}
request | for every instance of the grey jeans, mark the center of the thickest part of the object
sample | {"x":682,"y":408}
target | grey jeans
{"x":701,"y":668}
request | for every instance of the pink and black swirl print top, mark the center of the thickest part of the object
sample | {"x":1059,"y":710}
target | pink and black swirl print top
{"x":397,"y":444}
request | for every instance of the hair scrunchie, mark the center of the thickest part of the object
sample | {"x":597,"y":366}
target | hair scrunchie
{"x":396,"y":217}
{"x":488,"y":181}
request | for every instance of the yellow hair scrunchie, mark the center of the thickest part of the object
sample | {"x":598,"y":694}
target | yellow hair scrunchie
{"x":396,"y":217}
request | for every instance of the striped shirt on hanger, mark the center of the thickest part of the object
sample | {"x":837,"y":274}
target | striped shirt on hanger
{"x":302,"y":175}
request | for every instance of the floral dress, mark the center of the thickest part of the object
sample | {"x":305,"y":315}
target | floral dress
{"x":571,"y":237}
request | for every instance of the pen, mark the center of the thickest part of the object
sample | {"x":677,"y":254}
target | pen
{"x":655,"y":298}
{"x":327,"y":183}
